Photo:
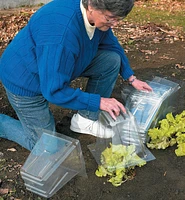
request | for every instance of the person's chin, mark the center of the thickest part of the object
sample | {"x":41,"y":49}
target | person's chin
{"x":103,"y":28}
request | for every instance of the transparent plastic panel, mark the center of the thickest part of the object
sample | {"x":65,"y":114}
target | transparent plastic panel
{"x":41,"y":161}
{"x":127,"y":134}
{"x":47,"y":189}
{"x":160,"y":90}
{"x":166,"y":82}
{"x":126,"y":138}
{"x":107,"y":120}
{"x":149,"y":107}
{"x":54,"y":161}
{"x":143,"y":108}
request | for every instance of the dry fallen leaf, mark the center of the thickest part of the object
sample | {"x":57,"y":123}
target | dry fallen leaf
{"x":173,"y":74}
{"x":165,"y":57}
{"x":180,"y":66}
{"x":149,"y":52}
{"x":4,"y":191}
{"x":127,"y":32}
{"x":12,"y":149}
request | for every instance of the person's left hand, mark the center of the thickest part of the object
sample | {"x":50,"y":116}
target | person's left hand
{"x":141,"y":85}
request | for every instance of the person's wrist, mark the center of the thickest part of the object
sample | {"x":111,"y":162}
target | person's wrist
{"x":131,"y":79}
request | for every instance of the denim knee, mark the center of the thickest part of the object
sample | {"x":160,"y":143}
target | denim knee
{"x":114,"y":58}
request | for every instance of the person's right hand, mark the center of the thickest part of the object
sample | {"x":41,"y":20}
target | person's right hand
{"x":112,"y":106}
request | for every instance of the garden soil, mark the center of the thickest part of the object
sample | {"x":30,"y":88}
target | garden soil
{"x":160,"y":179}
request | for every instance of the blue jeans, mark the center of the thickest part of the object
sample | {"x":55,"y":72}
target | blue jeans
{"x":34,"y":112}
{"x":102,"y":74}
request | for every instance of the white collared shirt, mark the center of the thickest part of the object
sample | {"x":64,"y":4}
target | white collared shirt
{"x":89,"y":28}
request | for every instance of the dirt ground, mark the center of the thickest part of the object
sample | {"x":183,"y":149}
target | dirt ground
{"x":160,"y":179}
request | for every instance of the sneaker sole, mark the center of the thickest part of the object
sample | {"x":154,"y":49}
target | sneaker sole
{"x":85,"y":132}
{"x":81,"y":131}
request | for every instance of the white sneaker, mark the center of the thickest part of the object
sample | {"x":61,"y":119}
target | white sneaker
{"x":81,"y":124}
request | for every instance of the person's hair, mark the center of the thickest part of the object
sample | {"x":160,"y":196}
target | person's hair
{"x":119,"y":8}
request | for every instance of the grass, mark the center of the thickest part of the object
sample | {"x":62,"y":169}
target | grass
{"x":142,"y":15}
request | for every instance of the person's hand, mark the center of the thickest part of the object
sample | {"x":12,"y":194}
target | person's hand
{"x":112,"y":106}
{"x":139,"y":85}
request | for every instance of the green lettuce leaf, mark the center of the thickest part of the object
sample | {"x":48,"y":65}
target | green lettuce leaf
{"x":170,"y":131}
{"x":117,"y":161}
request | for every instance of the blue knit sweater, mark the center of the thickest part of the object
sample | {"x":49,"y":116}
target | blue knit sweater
{"x":51,"y":51}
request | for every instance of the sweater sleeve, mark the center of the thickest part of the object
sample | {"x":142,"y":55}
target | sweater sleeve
{"x":56,"y":65}
{"x":110,"y":42}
